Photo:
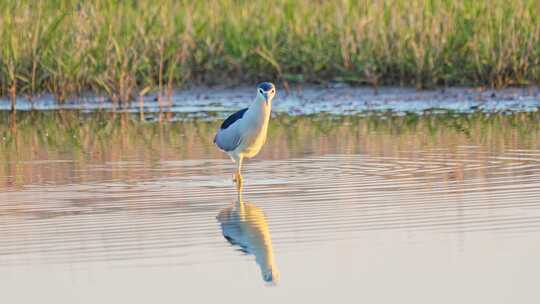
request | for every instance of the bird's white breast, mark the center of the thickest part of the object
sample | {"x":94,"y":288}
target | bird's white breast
{"x":255,"y":127}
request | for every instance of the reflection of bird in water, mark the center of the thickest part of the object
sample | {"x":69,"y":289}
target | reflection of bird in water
{"x":243,"y":133}
{"x":244,"y":225}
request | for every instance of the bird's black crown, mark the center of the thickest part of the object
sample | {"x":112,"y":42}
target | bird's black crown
{"x":265,"y":86}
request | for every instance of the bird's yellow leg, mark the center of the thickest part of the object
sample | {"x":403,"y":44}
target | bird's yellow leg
{"x":239,"y":181}
{"x":237,"y":178}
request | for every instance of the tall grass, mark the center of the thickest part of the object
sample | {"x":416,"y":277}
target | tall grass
{"x":69,"y":47}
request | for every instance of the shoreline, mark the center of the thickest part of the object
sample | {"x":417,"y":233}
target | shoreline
{"x":340,"y":99}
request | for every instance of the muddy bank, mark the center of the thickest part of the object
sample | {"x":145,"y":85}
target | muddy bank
{"x":305,"y":100}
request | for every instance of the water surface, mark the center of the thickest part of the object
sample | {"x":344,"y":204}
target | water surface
{"x":102,"y":208}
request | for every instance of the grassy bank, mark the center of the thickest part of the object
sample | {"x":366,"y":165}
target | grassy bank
{"x":67,"y":47}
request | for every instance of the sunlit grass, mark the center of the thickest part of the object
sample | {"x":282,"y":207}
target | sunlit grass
{"x":120,"y":48}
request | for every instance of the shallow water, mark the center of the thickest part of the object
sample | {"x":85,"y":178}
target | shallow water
{"x":101,"y":208}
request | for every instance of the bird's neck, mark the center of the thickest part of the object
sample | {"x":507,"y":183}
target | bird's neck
{"x":258,"y":115}
{"x":262,"y":107}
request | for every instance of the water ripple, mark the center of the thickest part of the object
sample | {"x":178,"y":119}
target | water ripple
{"x":307,"y":200}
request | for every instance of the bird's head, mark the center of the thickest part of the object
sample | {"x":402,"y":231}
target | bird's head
{"x":266,"y":91}
{"x":271,"y":276}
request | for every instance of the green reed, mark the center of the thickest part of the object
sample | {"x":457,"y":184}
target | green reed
{"x":127,"y":48}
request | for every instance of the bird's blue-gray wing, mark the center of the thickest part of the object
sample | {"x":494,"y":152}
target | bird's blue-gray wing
{"x":232,"y":119}
{"x":229,"y":135}
{"x":228,"y":139}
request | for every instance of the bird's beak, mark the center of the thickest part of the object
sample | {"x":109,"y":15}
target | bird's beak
{"x":266,"y":97}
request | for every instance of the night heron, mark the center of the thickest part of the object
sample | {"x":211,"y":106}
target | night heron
{"x":244,"y":224}
{"x":243,"y":133}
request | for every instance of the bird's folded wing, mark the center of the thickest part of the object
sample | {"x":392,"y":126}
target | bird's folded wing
{"x":228,"y":139}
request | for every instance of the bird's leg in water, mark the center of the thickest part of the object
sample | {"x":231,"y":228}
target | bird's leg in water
{"x":239,"y":193}
{"x":238,"y":175}
{"x":239,"y":183}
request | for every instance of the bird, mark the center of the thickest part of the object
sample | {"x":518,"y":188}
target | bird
{"x":243,"y":224}
{"x":243,"y":134}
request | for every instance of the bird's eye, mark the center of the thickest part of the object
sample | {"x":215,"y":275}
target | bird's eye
{"x":261,"y":91}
